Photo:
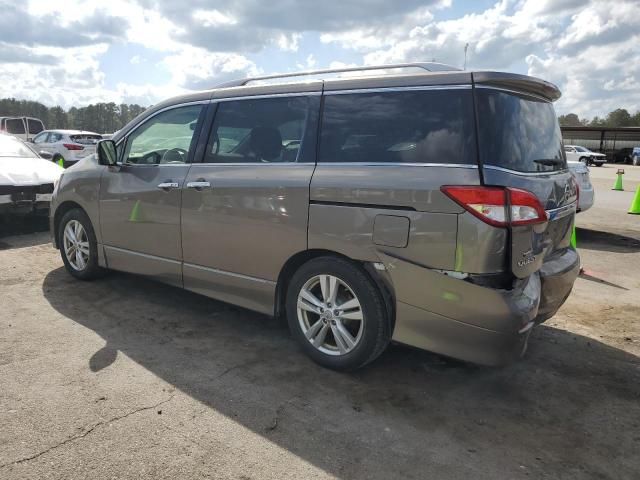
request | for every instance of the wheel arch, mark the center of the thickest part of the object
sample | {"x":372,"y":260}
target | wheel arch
{"x":382,"y":281}
{"x":62,"y":209}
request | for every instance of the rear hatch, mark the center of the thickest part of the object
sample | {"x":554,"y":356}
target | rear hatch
{"x":520,"y":146}
{"x":88,"y":141}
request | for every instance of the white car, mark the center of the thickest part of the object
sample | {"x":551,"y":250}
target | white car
{"x":581,"y":154}
{"x":586,"y":195}
{"x":67,"y":146}
{"x":26,"y":180}
{"x":24,"y":128}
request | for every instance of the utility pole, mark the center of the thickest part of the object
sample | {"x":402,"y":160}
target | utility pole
{"x":466,"y":46}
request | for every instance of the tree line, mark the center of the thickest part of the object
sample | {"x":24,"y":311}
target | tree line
{"x":98,"y":117}
{"x":109,"y":117}
{"x":618,"y":118}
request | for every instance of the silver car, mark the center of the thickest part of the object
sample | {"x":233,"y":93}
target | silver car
{"x":412,"y":203}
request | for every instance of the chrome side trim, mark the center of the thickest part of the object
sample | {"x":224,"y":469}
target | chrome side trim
{"x":144,"y":255}
{"x":266,"y":95}
{"x":251,"y":164}
{"x":230,"y":274}
{"x":398,"y":89}
{"x":398,"y":164}
{"x":525,"y":174}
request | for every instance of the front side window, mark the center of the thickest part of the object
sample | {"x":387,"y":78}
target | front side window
{"x":42,"y":138}
{"x":15,"y":126}
{"x":423,"y":126}
{"x":163,"y":139}
{"x":264,"y":130}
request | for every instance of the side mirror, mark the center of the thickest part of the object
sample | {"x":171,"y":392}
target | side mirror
{"x":45,"y":155}
{"x":107,"y":154}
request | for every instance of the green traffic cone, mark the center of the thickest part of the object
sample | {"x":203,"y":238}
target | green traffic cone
{"x":573,"y":238}
{"x":635,"y":204}
{"x":135,"y":212}
{"x":61,"y":162}
{"x":618,"y":184}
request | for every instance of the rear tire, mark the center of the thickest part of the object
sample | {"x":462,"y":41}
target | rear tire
{"x":78,"y":245}
{"x":585,"y":160}
{"x":326,"y":324}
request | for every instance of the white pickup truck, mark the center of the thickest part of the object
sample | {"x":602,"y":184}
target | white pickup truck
{"x":577,"y":153}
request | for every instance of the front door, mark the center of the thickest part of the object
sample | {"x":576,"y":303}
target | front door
{"x":245,"y":209}
{"x":140,"y":198}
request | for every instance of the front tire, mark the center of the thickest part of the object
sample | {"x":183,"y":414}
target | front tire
{"x":337,"y":314}
{"x":78,"y":245}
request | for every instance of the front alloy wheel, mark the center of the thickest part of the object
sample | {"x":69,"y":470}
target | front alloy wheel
{"x":330,"y":315}
{"x":76,"y":245}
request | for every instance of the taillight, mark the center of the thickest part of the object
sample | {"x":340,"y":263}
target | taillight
{"x":498,"y":206}
{"x":72,"y":146}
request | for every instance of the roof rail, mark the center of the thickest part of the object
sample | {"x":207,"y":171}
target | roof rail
{"x":427,"y":66}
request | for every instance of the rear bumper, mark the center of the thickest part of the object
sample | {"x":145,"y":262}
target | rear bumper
{"x":587,"y":197}
{"x":472,"y":322}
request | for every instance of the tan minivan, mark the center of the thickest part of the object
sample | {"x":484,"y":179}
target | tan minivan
{"x":413,"y":203}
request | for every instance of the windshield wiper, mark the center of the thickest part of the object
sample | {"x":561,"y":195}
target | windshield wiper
{"x":549,"y":162}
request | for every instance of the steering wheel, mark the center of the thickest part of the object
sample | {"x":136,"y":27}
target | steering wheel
{"x":180,"y":151}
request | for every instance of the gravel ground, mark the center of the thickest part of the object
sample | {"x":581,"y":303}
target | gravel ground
{"x":125,"y":378}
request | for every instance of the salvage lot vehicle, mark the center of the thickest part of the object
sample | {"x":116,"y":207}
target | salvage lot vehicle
{"x":70,"y":146}
{"x":26,"y":180}
{"x":401,"y":224}
{"x":586,"y":195}
{"x":24,"y":128}
{"x":584,"y":155}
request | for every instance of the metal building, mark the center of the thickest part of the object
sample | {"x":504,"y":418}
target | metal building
{"x":615,"y":142}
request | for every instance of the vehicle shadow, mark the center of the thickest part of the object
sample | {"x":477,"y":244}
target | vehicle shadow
{"x":606,"y":241}
{"x":570,"y":409}
{"x":23,"y":226}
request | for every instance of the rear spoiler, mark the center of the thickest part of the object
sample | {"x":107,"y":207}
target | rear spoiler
{"x":520,"y":83}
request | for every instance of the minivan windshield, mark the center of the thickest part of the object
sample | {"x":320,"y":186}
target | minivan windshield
{"x":518,"y":132}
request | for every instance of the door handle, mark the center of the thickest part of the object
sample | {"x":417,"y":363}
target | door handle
{"x":168,"y":185}
{"x":199,"y":184}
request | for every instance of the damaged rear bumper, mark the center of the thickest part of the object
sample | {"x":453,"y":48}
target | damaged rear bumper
{"x":475,"y":323}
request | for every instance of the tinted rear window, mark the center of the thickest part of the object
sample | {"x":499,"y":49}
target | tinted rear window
{"x":86,"y":139}
{"x":423,"y":126}
{"x":15,"y":126}
{"x":35,"y":126}
{"x":518,"y":132}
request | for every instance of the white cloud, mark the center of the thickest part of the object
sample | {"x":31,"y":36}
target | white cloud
{"x":588,"y":47}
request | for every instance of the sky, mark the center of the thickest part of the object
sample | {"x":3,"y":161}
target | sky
{"x":76,"y":52}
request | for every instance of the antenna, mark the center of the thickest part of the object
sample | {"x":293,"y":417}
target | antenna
{"x":466,"y":46}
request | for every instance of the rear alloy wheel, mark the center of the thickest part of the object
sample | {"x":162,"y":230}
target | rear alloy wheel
{"x":78,"y":245}
{"x":337,"y":313}
{"x":330,"y":315}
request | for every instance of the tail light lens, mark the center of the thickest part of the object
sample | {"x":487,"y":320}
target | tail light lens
{"x":72,"y":146}
{"x":498,"y":206}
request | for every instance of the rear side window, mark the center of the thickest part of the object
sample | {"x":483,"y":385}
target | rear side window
{"x":35,"y":126}
{"x":264,"y":130}
{"x":518,"y":132}
{"x":15,"y":126}
{"x":424,"y":126}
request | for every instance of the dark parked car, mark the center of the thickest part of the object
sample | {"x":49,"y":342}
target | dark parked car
{"x":624,"y":155}
{"x":432,"y":208}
